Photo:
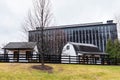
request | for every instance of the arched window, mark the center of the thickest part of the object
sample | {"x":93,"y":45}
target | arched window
{"x":68,"y":47}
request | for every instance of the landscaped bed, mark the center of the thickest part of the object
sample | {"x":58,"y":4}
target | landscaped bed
{"x":19,"y":71}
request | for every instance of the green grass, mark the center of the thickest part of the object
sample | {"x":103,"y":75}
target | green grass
{"x":14,"y":71}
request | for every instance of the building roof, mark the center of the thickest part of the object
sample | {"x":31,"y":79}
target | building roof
{"x":73,"y":25}
{"x":84,"y":48}
{"x":20,"y":45}
{"x":82,"y":44}
{"x":109,"y":22}
{"x":91,"y":53}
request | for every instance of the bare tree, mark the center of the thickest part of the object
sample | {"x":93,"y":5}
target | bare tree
{"x":59,"y":41}
{"x":2,"y":45}
{"x":41,"y":17}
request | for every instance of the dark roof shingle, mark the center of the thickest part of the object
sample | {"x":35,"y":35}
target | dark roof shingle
{"x":20,"y":45}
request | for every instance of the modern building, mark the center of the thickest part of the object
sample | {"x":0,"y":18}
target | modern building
{"x":91,"y":33}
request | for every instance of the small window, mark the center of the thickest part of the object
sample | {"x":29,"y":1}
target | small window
{"x":68,"y":47}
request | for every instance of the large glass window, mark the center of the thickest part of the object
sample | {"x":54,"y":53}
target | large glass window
{"x":87,"y":36}
{"x":90,"y":33}
{"x":93,"y":36}
{"x":70,"y":35}
{"x":97,"y":37}
{"x":83,"y":36}
{"x":74,"y":36}
{"x":77,"y":36}
{"x":80,"y":36}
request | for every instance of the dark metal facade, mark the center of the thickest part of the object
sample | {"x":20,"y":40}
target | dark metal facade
{"x":96,"y":34}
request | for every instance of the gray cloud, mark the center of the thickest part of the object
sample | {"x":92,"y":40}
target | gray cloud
{"x":85,"y":11}
{"x":79,"y":11}
{"x":12,"y":13}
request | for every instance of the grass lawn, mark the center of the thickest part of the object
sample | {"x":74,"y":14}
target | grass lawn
{"x":16,"y":71}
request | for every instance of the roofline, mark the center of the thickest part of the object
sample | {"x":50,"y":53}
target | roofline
{"x":75,"y":25}
{"x":18,"y":48}
{"x":21,"y":42}
{"x":90,"y":53}
{"x":84,"y":44}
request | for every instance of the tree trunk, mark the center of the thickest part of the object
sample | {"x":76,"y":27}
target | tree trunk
{"x":42,"y":47}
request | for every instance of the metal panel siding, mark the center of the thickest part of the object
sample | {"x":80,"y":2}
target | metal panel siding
{"x":96,"y":34}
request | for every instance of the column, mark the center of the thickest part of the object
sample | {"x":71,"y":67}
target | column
{"x":92,"y":35}
{"x":85,"y":35}
{"x":102,"y":40}
{"x":79,"y":35}
{"x":82,"y":35}
{"x":95,"y":37}
{"x":99,"y":38}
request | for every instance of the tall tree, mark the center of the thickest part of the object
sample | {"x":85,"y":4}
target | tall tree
{"x":41,"y":17}
{"x":113,"y":48}
{"x":58,"y":40}
{"x":110,"y":47}
{"x":117,"y":48}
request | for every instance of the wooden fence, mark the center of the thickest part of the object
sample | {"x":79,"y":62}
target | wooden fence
{"x":22,"y":58}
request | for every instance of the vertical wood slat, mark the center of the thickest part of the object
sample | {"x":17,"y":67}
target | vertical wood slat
{"x":39,"y":58}
{"x":69,"y":59}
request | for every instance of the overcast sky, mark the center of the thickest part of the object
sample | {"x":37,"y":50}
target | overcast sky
{"x":13,"y":12}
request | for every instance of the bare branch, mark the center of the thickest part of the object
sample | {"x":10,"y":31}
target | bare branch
{"x":40,"y":16}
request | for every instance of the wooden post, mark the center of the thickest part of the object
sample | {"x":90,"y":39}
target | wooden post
{"x":79,"y":59}
{"x":32,"y":55}
{"x":84,"y":59}
{"x":116,"y":61}
{"x":95,"y":60}
{"x":69,"y":59}
{"x":5,"y":55}
{"x":39,"y":58}
{"x":92,"y":59}
{"x":108,"y":59}
{"x":59,"y":58}
{"x":18,"y":55}
{"x":102,"y":59}
{"x":87,"y":59}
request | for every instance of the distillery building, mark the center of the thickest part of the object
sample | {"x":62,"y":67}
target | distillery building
{"x":91,"y":33}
